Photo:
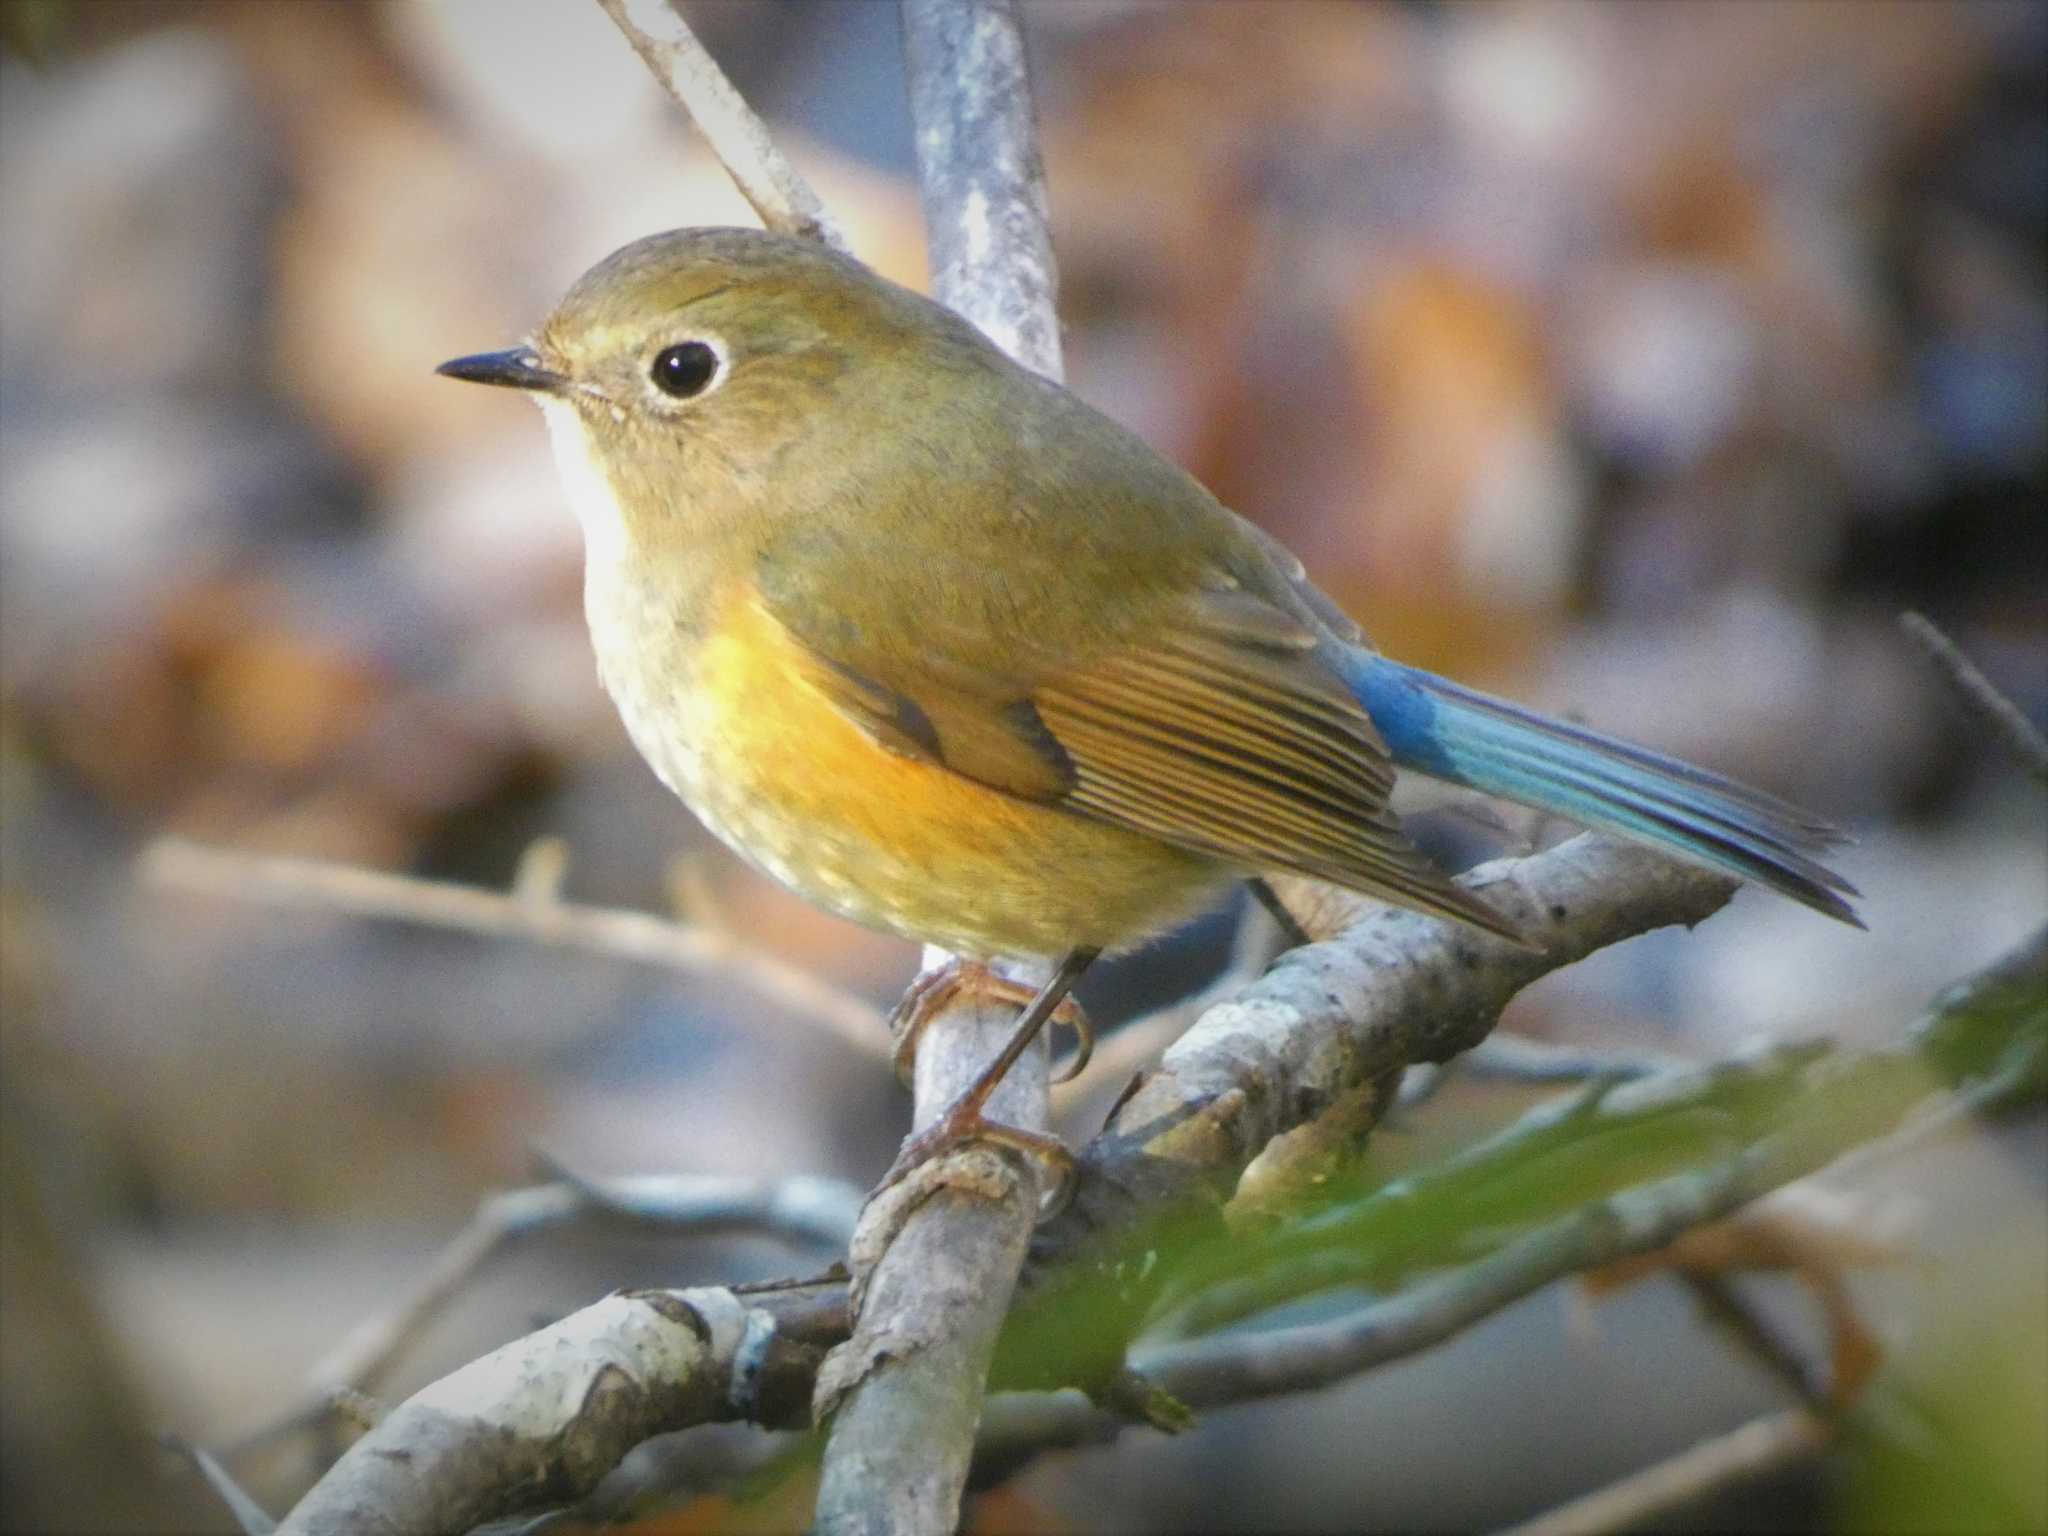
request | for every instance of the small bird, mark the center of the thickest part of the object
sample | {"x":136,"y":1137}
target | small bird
{"x":933,"y":642}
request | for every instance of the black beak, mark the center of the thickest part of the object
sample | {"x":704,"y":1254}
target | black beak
{"x":517,"y":369}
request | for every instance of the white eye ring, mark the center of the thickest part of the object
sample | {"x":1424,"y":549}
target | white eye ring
{"x":684,"y":370}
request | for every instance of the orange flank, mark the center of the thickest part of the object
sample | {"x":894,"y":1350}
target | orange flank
{"x":897,"y":839}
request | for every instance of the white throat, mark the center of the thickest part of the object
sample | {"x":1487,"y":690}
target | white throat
{"x":590,"y":492}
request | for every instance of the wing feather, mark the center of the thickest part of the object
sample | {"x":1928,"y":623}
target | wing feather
{"x":1254,"y":756}
{"x":1216,"y":728}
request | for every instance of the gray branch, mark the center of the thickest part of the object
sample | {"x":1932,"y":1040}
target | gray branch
{"x":936,"y":1257}
{"x":544,"y":1418}
{"x":1754,"y":1450}
{"x":982,"y":181}
{"x":2010,"y":728}
{"x":1331,"y":1020}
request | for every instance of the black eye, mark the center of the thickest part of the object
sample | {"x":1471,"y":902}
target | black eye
{"x":685,"y":368}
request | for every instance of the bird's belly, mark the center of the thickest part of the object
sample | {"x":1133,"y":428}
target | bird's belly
{"x":894,"y":842}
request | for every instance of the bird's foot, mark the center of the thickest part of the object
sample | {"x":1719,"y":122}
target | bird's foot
{"x":935,"y":991}
{"x":963,"y":1123}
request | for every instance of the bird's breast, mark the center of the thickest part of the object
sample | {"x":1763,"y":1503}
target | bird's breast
{"x":728,"y":718}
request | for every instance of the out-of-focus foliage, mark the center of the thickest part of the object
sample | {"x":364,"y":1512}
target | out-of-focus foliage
{"x":1976,"y":1387}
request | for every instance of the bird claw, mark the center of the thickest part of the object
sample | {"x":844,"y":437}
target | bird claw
{"x":963,"y":1123}
{"x":935,"y":991}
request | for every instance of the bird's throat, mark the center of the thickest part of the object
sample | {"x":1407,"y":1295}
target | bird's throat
{"x":591,"y":496}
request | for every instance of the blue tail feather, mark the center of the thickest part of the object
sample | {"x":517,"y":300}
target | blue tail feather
{"x":1435,"y":727}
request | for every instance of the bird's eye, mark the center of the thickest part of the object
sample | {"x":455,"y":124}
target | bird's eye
{"x":685,"y":369}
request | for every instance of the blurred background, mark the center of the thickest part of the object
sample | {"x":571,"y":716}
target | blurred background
{"x":1640,"y":361}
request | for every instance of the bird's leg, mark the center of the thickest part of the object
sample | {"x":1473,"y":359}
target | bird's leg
{"x":933,"y":992}
{"x":962,"y":1120}
{"x":1290,"y":926}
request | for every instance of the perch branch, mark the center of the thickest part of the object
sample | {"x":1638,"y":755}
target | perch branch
{"x":767,"y":180}
{"x":537,"y":917}
{"x":980,"y":176}
{"x":937,"y":1255}
{"x":1332,"y":1019}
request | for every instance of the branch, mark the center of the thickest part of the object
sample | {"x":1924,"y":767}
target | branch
{"x":1983,"y":1034}
{"x":1331,"y":1020}
{"x":979,"y":171}
{"x":1789,"y":1114}
{"x":250,"y":1518}
{"x":1981,"y":697}
{"x":668,"y":47}
{"x":805,"y":1209}
{"x":1309,"y":1356}
{"x":543,"y":1419}
{"x":937,"y":1255}
{"x":538,"y":917}
{"x":1759,"y":1447}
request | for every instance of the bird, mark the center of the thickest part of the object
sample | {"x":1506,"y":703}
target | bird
{"x":930,"y":640}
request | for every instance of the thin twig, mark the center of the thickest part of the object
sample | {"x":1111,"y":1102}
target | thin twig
{"x":1759,"y":1447}
{"x":767,"y":180}
{"x":1312,"y":1355}
{"x":252,"y":1518}
{"x":1981,"y":696}
{"x":640,"y":936}
{"x":1520,"y":1058}
{"x":1755,"y":1336}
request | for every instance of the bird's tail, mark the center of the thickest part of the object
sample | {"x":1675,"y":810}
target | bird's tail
{"x":1435,"y":727}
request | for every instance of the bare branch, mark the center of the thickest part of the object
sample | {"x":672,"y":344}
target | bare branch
{"x":1759,"y":1447}
{"x":937,"y":1255}
{"x":979,"y":170}
{"x":322,"y":886}
{"x":1751,"y":1332}
{"x":1981,"y":696}
{"x":1329,"y":1020}
{"x":668,"y":47}
{"x":541,"y":1420}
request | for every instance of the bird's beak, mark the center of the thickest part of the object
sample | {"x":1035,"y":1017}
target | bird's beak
{"x":518,"y":368}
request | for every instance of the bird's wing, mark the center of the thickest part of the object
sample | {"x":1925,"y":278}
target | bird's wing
{"x":1215,"y":727}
